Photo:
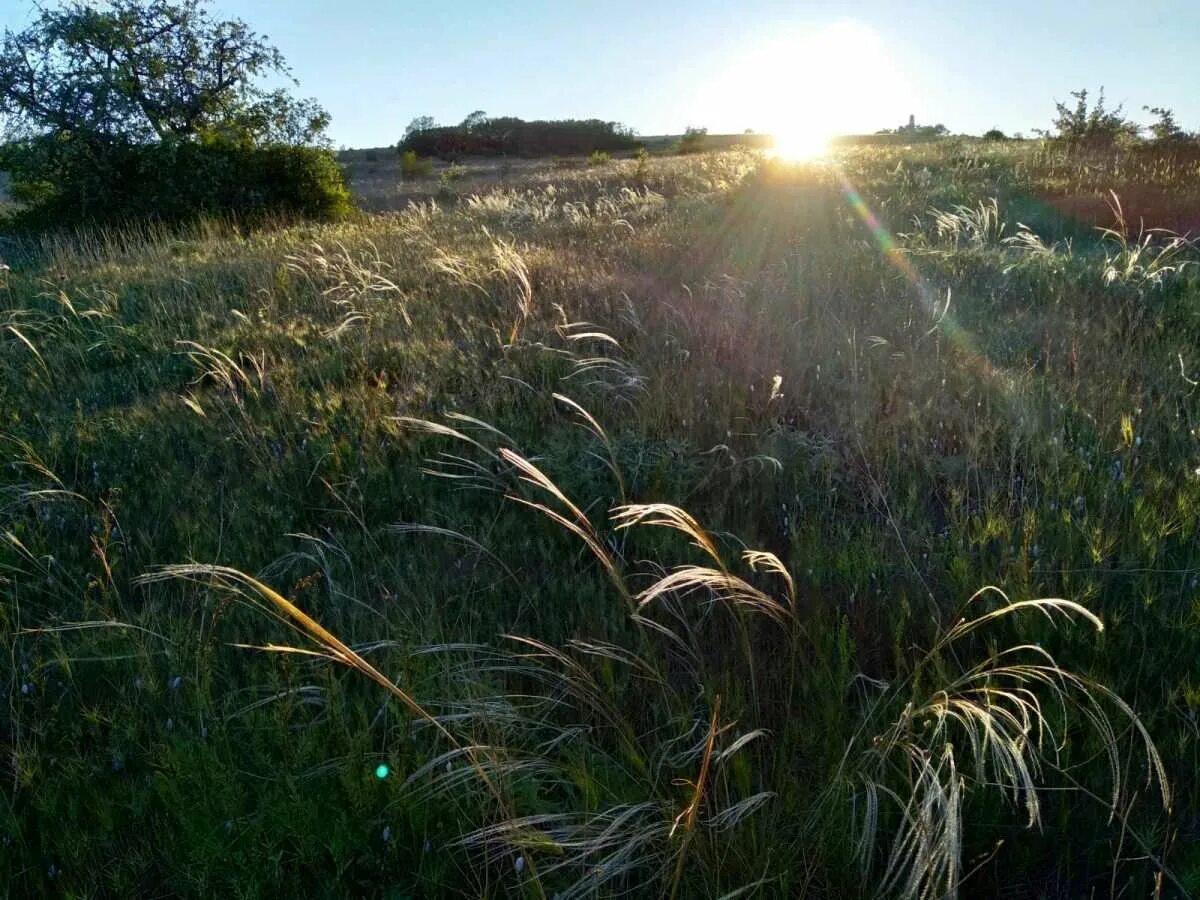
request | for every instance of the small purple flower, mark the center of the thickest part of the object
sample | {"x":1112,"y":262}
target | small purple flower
{"x":387,"y":833}
{"x":175,"y":682}
{"x":519,"y":864}
{"x":26,"y":688}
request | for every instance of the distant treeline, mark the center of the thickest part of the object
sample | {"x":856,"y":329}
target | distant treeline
{"x":510,"y":136}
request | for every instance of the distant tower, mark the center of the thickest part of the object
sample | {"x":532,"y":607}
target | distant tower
{"x":912,"y":122}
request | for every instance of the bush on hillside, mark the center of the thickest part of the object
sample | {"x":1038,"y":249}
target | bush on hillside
{"x":172,"y":181}
{"x":1165,"y":130}
{"x":693,"y":140}
{"x":510,"y":136}
{"x":1091,"y":127}
{"x":412,"y":167}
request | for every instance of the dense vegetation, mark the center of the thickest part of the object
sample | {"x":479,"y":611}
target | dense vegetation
{"x":479,"y":135}
{"x":151,"y":109}
{"x":868,"y":372}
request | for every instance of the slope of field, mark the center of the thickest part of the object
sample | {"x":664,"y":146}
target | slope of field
{"x":901,"y":378}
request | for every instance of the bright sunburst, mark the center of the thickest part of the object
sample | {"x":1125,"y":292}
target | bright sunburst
{"x":806,"y":86}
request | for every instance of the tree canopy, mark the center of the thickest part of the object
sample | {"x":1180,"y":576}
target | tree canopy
{"x":127,"y":109}
{"x":137,"y":71}
{"x":1091,"y":125}
{"x":479,"y":135}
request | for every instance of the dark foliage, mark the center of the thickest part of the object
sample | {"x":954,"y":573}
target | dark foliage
{"x":1166,"y":131}
{"x":510,"y":136}
{"x":693,"y":140}
{"x":152,"y":109}
{"x":65,"y":183}
{"x":1091,"y":127}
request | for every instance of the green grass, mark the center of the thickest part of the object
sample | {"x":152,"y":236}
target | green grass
{"x":584,"y":693}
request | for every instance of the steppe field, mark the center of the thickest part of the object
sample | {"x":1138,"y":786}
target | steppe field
{"x":684,"y":525}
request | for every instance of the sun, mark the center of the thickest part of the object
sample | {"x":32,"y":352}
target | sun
{"x":799,"y":143}
{"x":807,"y":85}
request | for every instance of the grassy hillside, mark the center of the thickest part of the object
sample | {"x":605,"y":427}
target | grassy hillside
{"x":461,"y":437}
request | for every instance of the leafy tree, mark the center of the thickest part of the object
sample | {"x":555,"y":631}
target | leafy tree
{"x":1166,"y":130}
{"x":994,"y":134}
{"x":95,"y":92}
{"x":139,"y":71}
{"x":475,"y":120}
{"x":1091,"y":127}
{"x":419,"y":124}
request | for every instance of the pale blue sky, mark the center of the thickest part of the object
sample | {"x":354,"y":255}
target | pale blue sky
{"x":659,"y":65}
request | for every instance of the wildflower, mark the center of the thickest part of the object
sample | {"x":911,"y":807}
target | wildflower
{"x":387,"y":833}
{"x":519,"y":864}
{"x":175,"y":682}
{"x":427,"y":847}
{"x":26,"y":688}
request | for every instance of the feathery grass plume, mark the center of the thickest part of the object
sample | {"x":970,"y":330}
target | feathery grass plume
{"x":221,"y":368}
{"x":578,"y":523}
{"x":688,"y":815}
{"x":454,"y":467}
{"x":983,"y":728}
{"x":665,"y":515}
{"x":485,"y":763}
{"x":598,"y":430}
{"x":719,"y":585}
{"x":603,"y":369}
{"x":347,"y":280}
{"x":762,"y":560}
{"x":1146,"y":260}
{"x":977,"y":226}
{"x":510,"y":264}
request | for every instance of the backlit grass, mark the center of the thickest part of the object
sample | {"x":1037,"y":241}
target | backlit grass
{"x":654,"y":501}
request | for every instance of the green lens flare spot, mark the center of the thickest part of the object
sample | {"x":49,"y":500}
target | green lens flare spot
{"x":381,"y":771}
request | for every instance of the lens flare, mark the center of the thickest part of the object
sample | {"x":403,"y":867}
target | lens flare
{"x":797,"y":145}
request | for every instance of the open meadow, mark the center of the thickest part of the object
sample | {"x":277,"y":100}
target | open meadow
{"x":689,"y":526}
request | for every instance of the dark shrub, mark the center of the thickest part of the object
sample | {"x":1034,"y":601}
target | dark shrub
{"x":509,"y":136}
{"x":693,"y":140}
{"x":1091,"y":127}
{"x":73,"y":183}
